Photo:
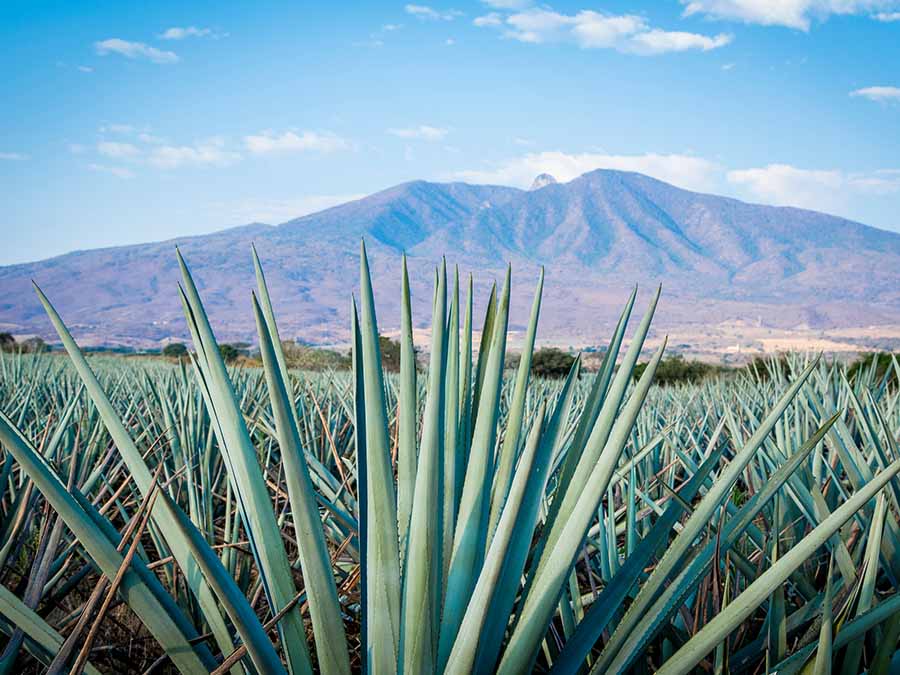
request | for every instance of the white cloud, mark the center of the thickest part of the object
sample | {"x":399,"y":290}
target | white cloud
{"x":117,"y":150}
{"x":449,"y":42}
{"x":390,"y":27}
{"x":134,"y":50}
{"x":588,"y":29}
{"x":150,"y":139}
{"x":492,"y":19}
{"x":508,"y":4}
{"x":887,"y":17}
{"x":116,"y":129}
{"x":13,"y":156}
{"x":146,"y":149}
{"x":687,"y":171}
{"x":660,"y":42}
{"x":727,"y":66}
{"x":827,"y":190}
{"x":177,"y":33}
{"x":290,"y":141}
{"x":117,"y":171}
{"x":426,"y":13}
{"x":85,"y":69}
{"x":276,"y":211}
{"x":880,"y":94}
{"x":422,"y":132}
{"x":210,"y":152}
{"x":881,"y":182}
{"x":791,"y":13}
{"x":819,"y":189}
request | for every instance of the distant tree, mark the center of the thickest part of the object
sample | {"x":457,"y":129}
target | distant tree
{"x":34,"y":345}
{"x":243,"y":348}
{"x":305,"y":357}
{"x":175,"y":350}
{"x":762,"y":367}
{"x":7,"y":342}
{"x":862,"y":367}
{"x":676,"y":370}
{"x":551,"y":362}
{"x":229,"y":353}
{"x":511,"y":361}
{"x":390,"y":353}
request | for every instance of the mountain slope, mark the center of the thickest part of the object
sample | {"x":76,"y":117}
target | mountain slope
{"x":720,"y":259}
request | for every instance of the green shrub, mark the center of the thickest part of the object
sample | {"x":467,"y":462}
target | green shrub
{"x":676,"y":370}
{"x":390,"y":353}
{"x":551,"y":362}
{"x":34,"y":345}
{"x":229,"y":353}
{"x":761,"y":367}
{"x":175,"y":350}
{"x":511,"y":361}
{"x":303,"y":357}
{"x":862,"y":367}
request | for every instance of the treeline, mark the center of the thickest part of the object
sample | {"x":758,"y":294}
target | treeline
{"x":296,"y":355}
{"x":547,"y":362}
{"x":674,"y":370}
{"x":32,"y":345}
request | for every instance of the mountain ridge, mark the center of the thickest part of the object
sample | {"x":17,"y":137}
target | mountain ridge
{"x":721,"y":259}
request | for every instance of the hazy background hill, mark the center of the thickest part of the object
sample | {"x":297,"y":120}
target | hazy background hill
{"x":720,"y":260}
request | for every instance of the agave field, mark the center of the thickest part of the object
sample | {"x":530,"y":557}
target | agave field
{"x":188,"y":517}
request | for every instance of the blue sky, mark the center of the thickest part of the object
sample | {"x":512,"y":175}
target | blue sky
{"x":128,"y":122}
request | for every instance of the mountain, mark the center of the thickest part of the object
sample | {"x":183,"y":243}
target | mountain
{"x":543,"y":180}
{"x":719,"y":259}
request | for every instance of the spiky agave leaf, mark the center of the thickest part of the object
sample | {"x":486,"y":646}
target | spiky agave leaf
{"x":247,"y":479}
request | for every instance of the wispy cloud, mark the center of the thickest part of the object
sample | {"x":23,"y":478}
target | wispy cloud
{"x":117,"y":171}
{"x":79,"y":68}
{"x":508,"y":4}
{"x":628,"y":33}
{"x":276,"y":211}
{"x":291,"y":141}
{"x":422,"y":132}
{"x":145,"y":149}
{"x":828,"y":190}
{"x":117,"y":150}
{"x":687,"y":171}
{"x":116,"y":128}
{"x":134,"y":50}
{"x":819,"y":189}
{"x":488,"y":20}
{"x":179,"y":33}
{"x":887,"y":17}
{"x":145,"y":137}
{"x":790,"y":13}
{"x":13,"y":156}
{"x":209,"y":152}
{"x":880,"y":94}
{"x":658,"y":41}
{"x":426,"y":13}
